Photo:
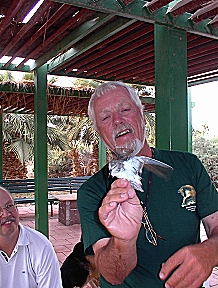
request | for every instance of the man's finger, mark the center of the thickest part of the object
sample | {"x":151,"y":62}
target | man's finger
{"x":170,"y":265}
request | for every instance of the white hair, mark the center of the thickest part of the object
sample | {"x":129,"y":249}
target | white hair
{"x":105,"y":87}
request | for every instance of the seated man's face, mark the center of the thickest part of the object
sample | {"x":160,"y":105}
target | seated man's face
{"x":9,"y":220}
{"x":119,"y":120}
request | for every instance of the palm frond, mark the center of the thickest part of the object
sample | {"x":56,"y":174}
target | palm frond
{"x":22,"y":150}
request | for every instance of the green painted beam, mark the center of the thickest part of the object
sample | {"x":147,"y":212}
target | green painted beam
{"x":172,"y":110}
{"x":13,"y":67}
{"x":90,"y":41}
{"x":101,"y":154}
{"x":40,"y":150}
{"x":72,"y":38}
{"x":138,"y":11}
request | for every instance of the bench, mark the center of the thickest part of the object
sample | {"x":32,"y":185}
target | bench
{"x":24,"y":186}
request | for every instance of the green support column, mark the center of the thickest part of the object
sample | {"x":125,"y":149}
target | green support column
{"x":1,"y":146}
{"x":101,"y":154}
{"x":40,"y":150}
{"x":172,"y":109}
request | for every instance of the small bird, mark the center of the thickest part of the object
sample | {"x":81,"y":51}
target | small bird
{"x":130,"y":168}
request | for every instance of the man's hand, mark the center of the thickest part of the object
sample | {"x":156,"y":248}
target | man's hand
{"x":121,"y":212}
{"x":190,"y":267}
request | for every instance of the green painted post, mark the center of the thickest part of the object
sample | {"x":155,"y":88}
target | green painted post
{"x":1,"y":146}
{"x":101,"y":154}
{"x":172,"y":109}
{"x":40,"y":150}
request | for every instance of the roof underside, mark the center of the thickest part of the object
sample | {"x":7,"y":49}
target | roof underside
{"x":107,"y":40}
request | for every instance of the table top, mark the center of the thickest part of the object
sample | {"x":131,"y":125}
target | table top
{"x":67,"y":197}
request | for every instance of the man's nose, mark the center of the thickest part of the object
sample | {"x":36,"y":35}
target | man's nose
{"x":5,"y":212}
{"x":117,"y":118}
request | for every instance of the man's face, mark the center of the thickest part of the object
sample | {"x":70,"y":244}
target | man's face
{"x":119,"y":120}
{"x":9,"y":220}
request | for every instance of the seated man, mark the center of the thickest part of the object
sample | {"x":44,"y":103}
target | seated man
{"x":27,"y":258}
{"x":147,"y":239}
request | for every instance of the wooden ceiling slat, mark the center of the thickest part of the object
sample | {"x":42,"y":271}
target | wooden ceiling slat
{"x":212,"y":54}
{"x":58,"y":32}
{"x":12,"y":11}
{"x":116,"y":51}
{"x":118,"y":61}
{"x":214,"y":22}
{"x":110,"y":73}
{"x":193,"y":71}
{"x":204,"y":48}
{"x":206,"y":66}
{"x":186,"y":6}
{"x":112,"y":47}
{"x":212,"y":58}
{"x":39,"y":32}
{"x":131,"y":66}
{"x":142,"y":75}
{"x":156,"y":4}
{"x":207,"y":12}
{"x":198,"y":42}
{"x":24,"y":30}
{"x":86,"y":54}
{"x":137,"y":70}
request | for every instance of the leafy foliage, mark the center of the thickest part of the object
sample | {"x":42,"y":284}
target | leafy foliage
{"x":59,"y":162}
{"x":206,"y":149}
{"x":88,"y":83}
{"x":7,"y":76}
{"x":18,"y":136}
{"x":28,"y":76}
{"x":150,"y":128}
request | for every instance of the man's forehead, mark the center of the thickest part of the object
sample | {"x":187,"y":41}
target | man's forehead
{"x":117,"y":102}
{"x":5,"y":195}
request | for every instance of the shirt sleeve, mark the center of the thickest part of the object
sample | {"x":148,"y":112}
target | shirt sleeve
{"x":89,"y":200}
{"x":45,"y":264}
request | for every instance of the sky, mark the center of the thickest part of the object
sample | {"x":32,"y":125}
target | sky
{"x":205,"y":98}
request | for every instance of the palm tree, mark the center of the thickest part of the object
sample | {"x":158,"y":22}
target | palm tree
{"x":18,"y":135}
{"x":7,"y":76}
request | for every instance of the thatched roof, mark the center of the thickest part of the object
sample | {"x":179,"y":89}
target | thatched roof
{"x":19,"y":97}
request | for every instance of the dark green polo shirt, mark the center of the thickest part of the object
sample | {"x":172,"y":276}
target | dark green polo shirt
{"x":173,"y":215}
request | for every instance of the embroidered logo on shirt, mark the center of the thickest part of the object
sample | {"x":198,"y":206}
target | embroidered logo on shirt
{"x":189,"y":197}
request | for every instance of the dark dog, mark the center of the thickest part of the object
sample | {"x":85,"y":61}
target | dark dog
{"x":76,"y":267}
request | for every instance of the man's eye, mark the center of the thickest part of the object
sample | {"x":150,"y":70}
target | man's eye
{"x":126,"y":110}
{"x":105,"y":118}
{"x":10,"y":205}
